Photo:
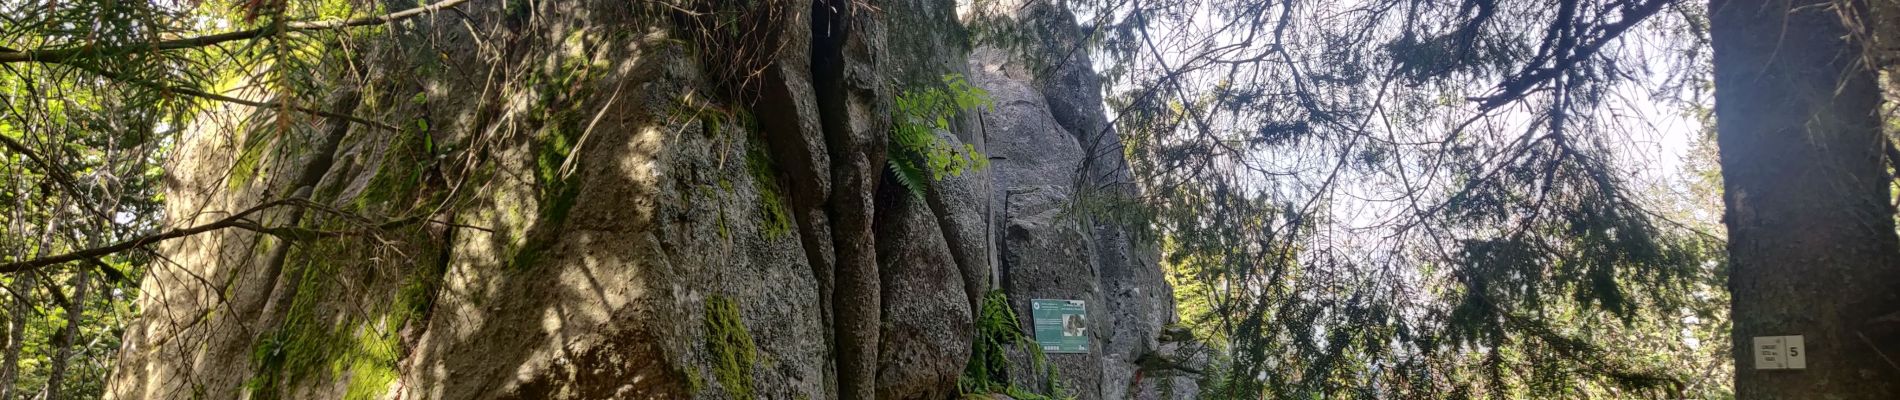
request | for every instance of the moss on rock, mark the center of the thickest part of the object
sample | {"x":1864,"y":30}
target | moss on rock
{"x":731,"y":347}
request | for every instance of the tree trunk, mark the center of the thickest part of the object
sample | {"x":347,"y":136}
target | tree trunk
{"x":1812,"y":248}
{"x":20,"y":311}
{"x":69,"y":338}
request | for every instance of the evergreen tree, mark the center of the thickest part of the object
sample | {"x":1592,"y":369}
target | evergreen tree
{"x":1807,"y":192}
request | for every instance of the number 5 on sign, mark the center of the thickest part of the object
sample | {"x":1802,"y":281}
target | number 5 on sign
{"x":1780,"y":352}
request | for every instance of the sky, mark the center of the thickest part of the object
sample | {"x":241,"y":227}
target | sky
{"x":1648,"y":124}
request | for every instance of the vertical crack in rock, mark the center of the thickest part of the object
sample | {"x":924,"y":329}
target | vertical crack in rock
{"x":789,"y":119}
{"x":845,"y":49}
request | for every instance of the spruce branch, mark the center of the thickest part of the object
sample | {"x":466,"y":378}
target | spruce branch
{"x":66,"y":54}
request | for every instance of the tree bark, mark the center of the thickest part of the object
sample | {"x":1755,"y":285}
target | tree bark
{"x":1812,"y":247}
{"x":20,"y":312}
{"x":69,"y":337}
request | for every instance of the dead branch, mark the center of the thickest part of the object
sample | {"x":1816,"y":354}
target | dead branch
{"x":237,"y":220}
{"x":277,"y":104}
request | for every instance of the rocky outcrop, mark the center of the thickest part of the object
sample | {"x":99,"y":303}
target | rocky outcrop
{"x":1056,"y":151}
{"x":1046,"y":255}
{"x":927,"y":329}
{"x":573,"y":209}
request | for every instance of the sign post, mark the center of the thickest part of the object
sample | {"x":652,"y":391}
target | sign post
{"x":1062,"y":326}
{"x":1780,"y":352}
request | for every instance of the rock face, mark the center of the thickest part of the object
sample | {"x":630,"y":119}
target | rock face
{"x":926,"y":334}
{"x":1047,"y":256}
{"x":1057,"y":150}
{"x":591,"y":217}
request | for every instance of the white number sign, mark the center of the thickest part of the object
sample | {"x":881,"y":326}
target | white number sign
{"x":1780,"y":352}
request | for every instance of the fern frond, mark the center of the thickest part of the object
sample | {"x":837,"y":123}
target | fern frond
{"x":917,"y":155}
{"x":908,"y":175}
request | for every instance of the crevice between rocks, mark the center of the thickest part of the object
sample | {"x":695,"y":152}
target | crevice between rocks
{"x":855,"y":291}
{"x":833,"y":168}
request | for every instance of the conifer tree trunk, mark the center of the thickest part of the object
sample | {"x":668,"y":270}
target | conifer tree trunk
{"x":1812,"y":248}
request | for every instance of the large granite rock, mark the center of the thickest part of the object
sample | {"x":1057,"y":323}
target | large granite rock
{"x":1046,"y":255}
{"x":927,"y":319}
{"x":1055,"y":150}
{"x":1025,"y":144}
{"x":614,"y":238}
{"x":598,"y":223}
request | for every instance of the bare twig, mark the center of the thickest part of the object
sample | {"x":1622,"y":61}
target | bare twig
{"x":52,"y":170}
{"x":277,"y":104}
{"x":239,"y":219}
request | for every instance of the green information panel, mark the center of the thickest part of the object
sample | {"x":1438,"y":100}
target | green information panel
{"x":1062,"y":326}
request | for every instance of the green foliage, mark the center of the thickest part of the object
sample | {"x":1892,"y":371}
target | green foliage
{"x":1345,"y":215}
{"x":731,"y":347}
{"x":988,"y":371}
{"x":1513,"y":250}
{"x":78,"y":147}
{"x":917,"y":154}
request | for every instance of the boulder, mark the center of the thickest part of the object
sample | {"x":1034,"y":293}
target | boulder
{"x":925,"y":339}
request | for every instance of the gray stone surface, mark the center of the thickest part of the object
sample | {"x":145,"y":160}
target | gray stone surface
{"x":962,"y":210}
{"x":927,"y":318}
{"x":1025,"y":144}
{"x":660,"y":228}
{"x":668,"y":216}
{"x":1042,"y":174}
{"x":1046,"y":255}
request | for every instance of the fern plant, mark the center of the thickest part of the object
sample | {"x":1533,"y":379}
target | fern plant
{"x":988,"y":371}
{"x":917,"y":155}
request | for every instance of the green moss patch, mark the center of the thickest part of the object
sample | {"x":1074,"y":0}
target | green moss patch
{"x":775,"y":213}
{"x":725,"y":125}
{"x":325,"y":341}
{"x":731,"y":347}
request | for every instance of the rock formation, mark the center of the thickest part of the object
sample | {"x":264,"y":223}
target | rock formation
{"x":576,"y":207}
